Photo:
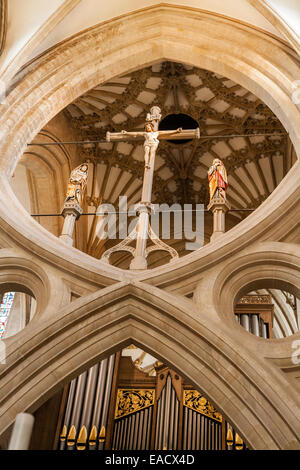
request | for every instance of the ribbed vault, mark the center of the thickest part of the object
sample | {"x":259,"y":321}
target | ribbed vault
{"x":219,"y":106}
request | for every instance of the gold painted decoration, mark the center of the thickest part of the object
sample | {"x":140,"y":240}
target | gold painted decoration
{"x":255,"y":299}
{"x":195,"y":401}
{"x":239,"y":444}
{"x":82,"y":438}
{"x":229,"y":437}
{"x":102,"y":434}
{"x":93,"y":436}
{"x":71,"y":436}
{"x":130,"y":401}
{"x":63,"y":434}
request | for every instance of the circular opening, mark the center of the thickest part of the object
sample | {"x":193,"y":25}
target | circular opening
{"x":174,"y":121}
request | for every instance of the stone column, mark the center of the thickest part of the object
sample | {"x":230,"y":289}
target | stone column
{"x":219,"y":206}
{"x":21,"y":434}
{"x":139,"y":261}
{"x":71,"y":212}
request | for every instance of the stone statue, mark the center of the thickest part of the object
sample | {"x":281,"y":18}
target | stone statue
{"x":218,"y":182}
{"x":77,"y":184}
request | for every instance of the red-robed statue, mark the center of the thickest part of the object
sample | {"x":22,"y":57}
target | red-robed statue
{"x":217,"y":177}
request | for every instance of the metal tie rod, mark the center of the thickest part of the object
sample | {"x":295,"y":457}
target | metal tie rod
{"x":120,"y":212}
{"x":85,"y":142}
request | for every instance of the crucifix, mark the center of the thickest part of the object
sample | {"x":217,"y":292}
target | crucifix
{"x":143,"y":230}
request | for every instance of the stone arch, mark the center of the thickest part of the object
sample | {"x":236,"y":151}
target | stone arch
{"x":21,"y":274}
{"x":114,"y":53}
{"x":200,"y":348}
{"x":270,"y":265}
{"x":195,"y":346}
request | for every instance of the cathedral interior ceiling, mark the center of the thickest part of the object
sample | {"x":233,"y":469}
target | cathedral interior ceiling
{"x":220,"y":107}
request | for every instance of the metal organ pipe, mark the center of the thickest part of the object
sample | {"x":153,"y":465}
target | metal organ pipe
{"x":89,"y":397}
{"x":245,"y":322}
{"x":128,"y":432}
{"x":133,"y":431}
{"x":99,"y":393}
{"x":73,"y":432}
{"x":145,"y":429}
{"x":87,"y":406}
{"x":166,"y":436}
{"x":200,"y":432}
{"x":149,"y":428}
{"x":176,"y":412}
{"x":255,"y":324}
{"x":106,"y":400}
{"x":167,"y":413}
{"x":137,"y":422}
{"x":139,"y":443}
{"x":66,"y":422}
{"x":172,"y":417}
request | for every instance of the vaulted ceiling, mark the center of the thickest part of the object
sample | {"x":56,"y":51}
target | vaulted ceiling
{"x":228,"y":115}
{"x":255,"y":164}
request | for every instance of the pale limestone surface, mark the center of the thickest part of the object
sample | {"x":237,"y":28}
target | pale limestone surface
{"x":252,"y":381}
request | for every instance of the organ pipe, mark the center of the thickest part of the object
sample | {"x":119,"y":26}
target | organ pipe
{"x":254,"y":324}
{"x":87,"y":408}
{"x":133,"y":432}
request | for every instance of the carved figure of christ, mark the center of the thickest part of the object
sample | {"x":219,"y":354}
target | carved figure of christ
{"x":151,"y":140}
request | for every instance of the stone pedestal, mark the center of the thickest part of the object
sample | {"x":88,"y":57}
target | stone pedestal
{"x":219,"y":207}
{"x":139,"y":261}
{"x":71,"y":212}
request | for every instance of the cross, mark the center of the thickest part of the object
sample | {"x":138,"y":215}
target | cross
{"x":151,"y":136}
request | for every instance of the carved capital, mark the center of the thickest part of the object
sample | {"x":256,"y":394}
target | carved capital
{"x":72,"y":208}
{"x":219,"y":203}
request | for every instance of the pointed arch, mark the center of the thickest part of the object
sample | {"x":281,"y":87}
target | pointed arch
{"x":193,"y":344}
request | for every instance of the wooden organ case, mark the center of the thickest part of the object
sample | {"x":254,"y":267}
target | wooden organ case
{"x":116,"y":406}
{"x":255,"y":313}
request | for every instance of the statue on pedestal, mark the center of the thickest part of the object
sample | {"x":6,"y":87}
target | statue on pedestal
{"x":77,"y":184}
{"x":218,"y":182}
{"x":72,"y":209}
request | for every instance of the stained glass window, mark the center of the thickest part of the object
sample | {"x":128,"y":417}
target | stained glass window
{"x":5,"y":308}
